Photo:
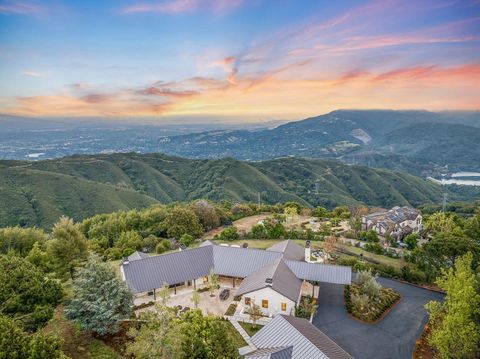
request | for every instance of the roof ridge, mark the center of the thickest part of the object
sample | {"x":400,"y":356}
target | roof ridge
{"x":174,"y":252}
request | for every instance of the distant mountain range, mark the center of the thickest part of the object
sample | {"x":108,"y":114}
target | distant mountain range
{"x":419,"y":142}
{"x":37,"y":193}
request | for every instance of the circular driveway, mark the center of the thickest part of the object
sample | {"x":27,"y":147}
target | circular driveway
{"x":392,"y":338}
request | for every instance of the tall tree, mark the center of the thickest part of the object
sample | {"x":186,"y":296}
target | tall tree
{"x":25,"y":292}
{"x":20,"y":240}
{"x":68,"y":247}
{"x":205,"y":337}
{"x":100,"y":299}
{"x":158,"y":335}
{"x":16,"y":344}
{"x":181,"y":220}
{"x":455,"y":328}
{"x":212,"y":282}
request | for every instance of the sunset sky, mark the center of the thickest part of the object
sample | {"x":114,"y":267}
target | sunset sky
{"x":254,"y":60}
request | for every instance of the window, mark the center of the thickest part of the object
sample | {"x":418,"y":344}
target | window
{"x":284,"y":307}
{"x":247,"y":301}
{"x":264,"y":303}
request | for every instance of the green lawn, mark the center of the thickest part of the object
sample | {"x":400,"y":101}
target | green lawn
{"x":232,"y":333}
{"x":394,"y":262}
{"x":250,"y":328}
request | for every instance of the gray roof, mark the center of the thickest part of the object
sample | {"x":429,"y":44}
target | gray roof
{"x":145,"y":274}
{"x":206,"y":243}
{"x":307,"y":341}
{"x":321,"y":272}
{"x":172,"y":268}
{"x":240,"y":262}
{"x":271,"y":353}
{"x":137,"y":255}
{"x":282,"y":279}
{"x":290,"y":250}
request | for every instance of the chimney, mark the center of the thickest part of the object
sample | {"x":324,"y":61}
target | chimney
{"x":269,"y":282}
{"x":307,"y":252}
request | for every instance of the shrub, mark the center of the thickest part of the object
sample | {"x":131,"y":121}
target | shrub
{"x":229,"y":234}
{"x":163,"y":246}
{"x":186,"y":240}
{"x":359,"y":302}
{"x":231,"y":309}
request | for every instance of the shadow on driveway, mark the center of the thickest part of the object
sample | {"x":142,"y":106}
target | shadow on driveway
{"x":392,"y":338}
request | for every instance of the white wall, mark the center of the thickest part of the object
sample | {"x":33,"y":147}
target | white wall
{"x":274,"y":301}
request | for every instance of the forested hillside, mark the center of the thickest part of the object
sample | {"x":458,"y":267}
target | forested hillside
{"x":37,"y":193}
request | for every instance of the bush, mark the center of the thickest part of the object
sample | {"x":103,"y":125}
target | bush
{"x":186,"y":240}
{"x":231,"y":309}
{"x":229,"y":234}
{"x":163,"y":246}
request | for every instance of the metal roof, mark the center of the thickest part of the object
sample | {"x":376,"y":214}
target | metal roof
{"x":307,"y":341}
{"x":321,"y":272}
{"x":282,"y":278}
{"x":172,"y":268}
{"x":240,"y":262}
{"x":143,"y":275}
{"x":271,"y":353}
{"x":137,"y":255}
{"x":290,"y":250}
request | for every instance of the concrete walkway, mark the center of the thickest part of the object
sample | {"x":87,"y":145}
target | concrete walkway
{"x":393,"y":337}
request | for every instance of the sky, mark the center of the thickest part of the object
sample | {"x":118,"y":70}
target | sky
{"x":249,"y":60}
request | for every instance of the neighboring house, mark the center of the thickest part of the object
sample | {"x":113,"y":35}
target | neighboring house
{"x":397,"y":222}
{"x":287,"y":337}
{"x":271,"y":278}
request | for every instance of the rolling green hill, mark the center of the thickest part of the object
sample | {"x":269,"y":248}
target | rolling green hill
{"x":37,"y":193}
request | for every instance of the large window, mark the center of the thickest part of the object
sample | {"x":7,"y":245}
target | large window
{"x":284,"y":307}
{"x":264,"y":303}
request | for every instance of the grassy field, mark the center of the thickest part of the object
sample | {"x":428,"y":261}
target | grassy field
{"x":394,"y":262}
{"x":250,"y":328}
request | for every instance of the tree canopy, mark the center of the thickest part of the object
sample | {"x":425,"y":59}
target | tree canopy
{"x":100,"y":299}
{"x":26,"y":293}
{"x":455,"y":328}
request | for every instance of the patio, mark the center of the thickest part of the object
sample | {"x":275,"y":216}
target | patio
{"x":183,"y":298}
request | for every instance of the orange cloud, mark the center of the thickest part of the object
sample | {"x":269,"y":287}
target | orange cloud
{"x":276,"y":94}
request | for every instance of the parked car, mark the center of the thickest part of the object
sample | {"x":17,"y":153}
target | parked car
{"x":224,"y":294}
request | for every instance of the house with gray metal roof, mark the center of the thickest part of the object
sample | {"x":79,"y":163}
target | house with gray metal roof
{"x":287,"y":337}
{"x":271,"y":278}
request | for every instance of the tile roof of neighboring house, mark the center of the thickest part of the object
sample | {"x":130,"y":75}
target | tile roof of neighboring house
{"x":137,"y":255}
{"x":282,"y":279}
{"x":272,"y":353}
{"x":307,"y":341}
{"x":145,"y":274}
{"x":321,"y":272}
{"x":290,"y":250}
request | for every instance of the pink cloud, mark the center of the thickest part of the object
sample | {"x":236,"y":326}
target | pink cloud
{"x":182,"y":6}
{"x":21,"y":8}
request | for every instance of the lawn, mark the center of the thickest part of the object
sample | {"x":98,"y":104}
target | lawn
{"x":394,"y":262}
{"x":232,"y":333}
{"x":250,"y":328}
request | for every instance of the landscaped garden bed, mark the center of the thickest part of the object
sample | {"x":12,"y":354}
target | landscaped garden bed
{"x":231,"y":309}
{"x":367,"y":300}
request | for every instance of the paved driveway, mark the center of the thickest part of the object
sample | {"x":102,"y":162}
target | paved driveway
{"x":392,"y":338}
